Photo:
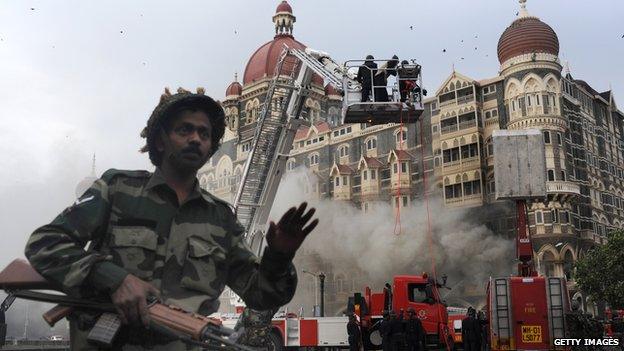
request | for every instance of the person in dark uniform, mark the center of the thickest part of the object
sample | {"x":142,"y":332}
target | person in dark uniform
{"x":396,"y":332}
{"x":365,"y":76}
{"x":483,"y":323}
{"x":414,"y":331}
{"x":471,"y":331}
{"x":355,"y":334}
{"x":384,"y":330}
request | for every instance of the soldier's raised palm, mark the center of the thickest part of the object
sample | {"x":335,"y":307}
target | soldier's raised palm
{"x":288,"y":234}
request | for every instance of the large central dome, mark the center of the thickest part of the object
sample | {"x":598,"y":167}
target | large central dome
{"x":527,"y":35}
{"x":263,"y":61}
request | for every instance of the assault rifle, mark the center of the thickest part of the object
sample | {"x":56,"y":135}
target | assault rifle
{"x":20,"y":280}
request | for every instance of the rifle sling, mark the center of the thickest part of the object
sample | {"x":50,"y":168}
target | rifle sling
{"x":62,"y":300}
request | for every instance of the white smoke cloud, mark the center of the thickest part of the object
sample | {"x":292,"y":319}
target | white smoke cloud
{"x":376,"y":246}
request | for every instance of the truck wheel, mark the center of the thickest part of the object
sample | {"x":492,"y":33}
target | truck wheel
{"x":373,"y":340}
{"x":275,"y":342}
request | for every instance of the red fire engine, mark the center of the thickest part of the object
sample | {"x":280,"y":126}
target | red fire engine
{"x":526,"y":312}
{"x":418,"y":292}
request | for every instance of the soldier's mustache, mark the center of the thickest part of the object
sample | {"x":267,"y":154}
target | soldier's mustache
{"x":192,"y":149}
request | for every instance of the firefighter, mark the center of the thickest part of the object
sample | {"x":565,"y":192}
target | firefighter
{"x":384,"y":330}
{"x":365,"y":76}
{"x":414,"y":331}
{"x":471,"y":331}
{"x":483,"y":323}
{"x":355,"y":334}
{"x":396,"y":332}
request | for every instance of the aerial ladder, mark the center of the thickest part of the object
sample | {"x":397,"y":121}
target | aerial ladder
{"x":279,"y":120}
{"x":280,"y":117}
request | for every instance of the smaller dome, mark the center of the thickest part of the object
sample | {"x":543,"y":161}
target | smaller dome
{"x":284,"y":7}
{"x":234,"y":89}
{"x":330,"y":90}
{"x":527,"y":35}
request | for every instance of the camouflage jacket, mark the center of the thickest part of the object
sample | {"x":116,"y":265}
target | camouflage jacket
{"x":188,"y":251}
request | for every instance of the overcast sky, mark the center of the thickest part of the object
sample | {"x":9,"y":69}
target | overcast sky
{"x":81,"y":77}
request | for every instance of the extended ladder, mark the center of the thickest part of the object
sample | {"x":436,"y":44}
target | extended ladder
{"x":272,"y":142}
{"x":501,"y":323}
{"x":556,"y":304}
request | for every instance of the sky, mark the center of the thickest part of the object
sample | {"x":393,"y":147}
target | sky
{"x":79,"y":78}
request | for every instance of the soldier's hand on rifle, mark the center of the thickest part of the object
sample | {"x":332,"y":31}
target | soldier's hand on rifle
{"x":288,"y":234}
{"x":130,"y":300}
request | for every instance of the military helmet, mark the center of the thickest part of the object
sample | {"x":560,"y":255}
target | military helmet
{"x":169,"y":105}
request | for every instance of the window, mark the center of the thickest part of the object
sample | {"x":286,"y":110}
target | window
{"x":539,"y":217}
{"x":472,"y":188}
{"x":495,"y":113}
{"x":554,"y":214}
{"x":373,"y":174}
{"x":529,"y":99}
{"x":404,"y":201}
{"x":564,"y":217}
{"x":488,"y":114}
{"x":558,"y":138}
{"x":563,"y":176}
{"x":537,"y":99}
{"x":371,"y":144}
{"x":344,"y":180}
{"x":513,"y":105}
{"x":337,"y":182}
{"x":453,"y":191}
{"x":364,"y":174}
{"x":547,"y":137}
{"x":291,"y":165}
{"x":314,"y":159}
{"x":395,"y":168}
{"x":301,"y":144}
{"x":551,"y":175}
{"x":489,"y":89}
{"x":400,"y":136}
{"x":343,"y":151}
{"x":348,"y":129}
{"x":434,"y":129}
{"x":403,"y":167}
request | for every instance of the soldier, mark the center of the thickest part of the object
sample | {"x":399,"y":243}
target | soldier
{"x":160,"y":234}
{"x":355,"y":335}
{"x":471,"y":331}
{"x":414,"y":331}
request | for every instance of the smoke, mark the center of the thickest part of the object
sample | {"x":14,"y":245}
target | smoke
{"x":24,"y":319}
{"x":370,"y":248}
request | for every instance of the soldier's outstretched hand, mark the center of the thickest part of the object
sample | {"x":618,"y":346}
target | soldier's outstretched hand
{"x":288,"y":234}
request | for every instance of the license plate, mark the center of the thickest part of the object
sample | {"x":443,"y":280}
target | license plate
{"x":532,"y":333}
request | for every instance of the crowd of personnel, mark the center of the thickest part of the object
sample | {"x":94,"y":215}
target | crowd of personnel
{"x":402,"y":331}
{"x":375,"y":79}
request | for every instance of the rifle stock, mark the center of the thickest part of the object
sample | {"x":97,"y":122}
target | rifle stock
{"x":56,"y":313}
{"x":19,"y":275}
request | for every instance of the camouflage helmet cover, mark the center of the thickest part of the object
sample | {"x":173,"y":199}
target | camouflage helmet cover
{"x":172,"y":103}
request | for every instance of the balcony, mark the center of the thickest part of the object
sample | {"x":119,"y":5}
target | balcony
{"x":562,"y":187}
{"x":465,"y":99}
{"x":562,"y":190}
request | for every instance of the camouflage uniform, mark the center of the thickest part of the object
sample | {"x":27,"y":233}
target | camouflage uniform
{"x":188,"y":251}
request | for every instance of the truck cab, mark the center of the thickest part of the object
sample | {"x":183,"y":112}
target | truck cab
{"x":419,"y":292}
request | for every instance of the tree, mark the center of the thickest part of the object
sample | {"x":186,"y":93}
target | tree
{"x":600,"y":274}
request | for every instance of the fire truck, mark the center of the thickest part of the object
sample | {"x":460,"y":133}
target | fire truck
{"x":527,"y":311}
{"x":419,"y":292}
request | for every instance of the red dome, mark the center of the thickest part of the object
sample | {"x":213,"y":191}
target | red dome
{"x":234,"y":89}
{"x":330,"y":90}
{"x":527,"y":35}
{"x":262,"y":63}
{"x":283,"y":7}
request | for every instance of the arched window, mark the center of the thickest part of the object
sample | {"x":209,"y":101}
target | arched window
{"x":371,"y":144}
{"x":400,"y":136}
{"x":343,"y":151}
{"x":314,"y":159}
{"x":563,"y":175}
{"x":547,"y":137}
{"x":548,"y":264}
